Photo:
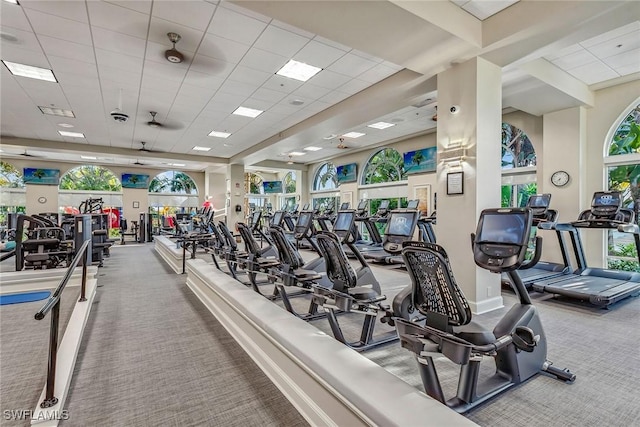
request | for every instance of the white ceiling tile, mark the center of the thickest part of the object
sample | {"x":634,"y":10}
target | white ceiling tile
{"x":25,"y":40}
{"x":249,"y":75}
{"x":483,"y":9}
{"x":190,"y":37}
{"x":27,"y":57}
{"x":574,"y":60}
{"x":237,"y":88}
{"x":317,"y":106}
{"x":282,"y":84}
{"x":117,"y":60}
{"x":110,"y":76}
{"x":292,"y":29}
{"x":236,"y":26}
{"x":329,"y":79}
{"x":195,"y":14}
{"x":242,"y":10}
{"x":215,"y":67}
{"x":196,"y":92}
{"x":71,"y":80}
{"x":268,"y":95}
{"x":143,"y":6}
{"x":259,"y":104}
{"x":118,"y":42}
{"x":13,"y":16}
{"x":76,"y":10}
{"x":73,"y":66}
{"x":118,"y":19}
{"x":310,"y":91}
{"x":318,"y":54}
{"x":367,"y":56}
{"x":625,"y":59}
{"x":594,"y":72}
{"x":334,"y":97}
{"x":284,"y":109}
{"x":332,"y":43}
{"x":67,"y":49}
{"x":156,"y":53}
{"x":224,"y":49}
{"x":628,"y":69}
{"x":155,"y":70}
{"x":377,"y":73}
{"x":205,"y":80}
{"x":601,"y":38}
{"x":351,"y":65}
{"x":616,"y":46}
{"x":262,"y":60}
{"x":225,"y":102}
{"x":44,"y":93}
{"x":281,"y":42}
{"x":54,"y":26}
{"x":564,"y":52}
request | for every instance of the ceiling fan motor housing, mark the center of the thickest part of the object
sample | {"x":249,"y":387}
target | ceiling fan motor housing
{"x":174,"y":56}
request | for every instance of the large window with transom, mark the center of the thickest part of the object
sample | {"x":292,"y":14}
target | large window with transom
{"x":518,"y":167}
{"x":171,"y":192}
{"x":325,"y":185}
{"x":88,"y":181}
{"x":13,"y":198}
{"x":290,"y":187}
{"x":622,"y":164}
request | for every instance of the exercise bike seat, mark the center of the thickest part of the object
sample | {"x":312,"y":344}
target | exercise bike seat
{"x":474,"y":333}
{"x":363,"y":293}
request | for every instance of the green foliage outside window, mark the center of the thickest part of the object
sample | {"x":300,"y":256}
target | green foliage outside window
{"x":90,"y":177}
{"x":10,"y":177}
{"x":253,"y":184}
{"x":517,"y":150}
{"x":326,"y":178}
{"x":290,"y":182}
{"x":626,"y":140}
{"x":386,"y":165}
{"x":173,"y":182}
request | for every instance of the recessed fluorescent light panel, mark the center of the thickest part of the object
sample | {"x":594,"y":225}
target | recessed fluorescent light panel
{"x":220,"y":134}
{"x":71,"y":134}
{"x":65,"y":125}
{"x":198,"y":148}
{"x":247,"y":112}
{"x":298,"y":70}
{"x":296,"y":153}
{"x":312,"y":148}
{"x":57,"y":112}
{"x":88,"y":157}
{"x":12,"y":1}
{"x":23,"y":70}
{"x":354,"y":135}
{"x":177,"y":164}
{"x":380,"y":125}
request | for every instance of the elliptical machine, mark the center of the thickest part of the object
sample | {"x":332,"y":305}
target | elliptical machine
{"x":517,"y":343}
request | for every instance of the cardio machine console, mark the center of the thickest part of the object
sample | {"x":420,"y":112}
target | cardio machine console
{"x":500,"y":242}
{"x":606,"y":203}
{"x":344,"y":224}
{"x":303,"y":224}
{"x":400,"y":227}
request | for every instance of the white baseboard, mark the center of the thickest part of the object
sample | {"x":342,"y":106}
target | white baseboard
{"x":486,"y":305}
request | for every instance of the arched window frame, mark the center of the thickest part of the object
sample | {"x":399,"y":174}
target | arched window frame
{"x":253,"y":179}
{"x":191,"y":188}
{"x":71,"y":198}
{"x":290,"y":183}
{"x":11,"y":176}
{"x":327,"y":172}
{"x":367,"y":169}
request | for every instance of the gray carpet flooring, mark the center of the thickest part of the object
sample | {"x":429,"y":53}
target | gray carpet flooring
{"x":24,"y":346}
{"x":153,"y":355}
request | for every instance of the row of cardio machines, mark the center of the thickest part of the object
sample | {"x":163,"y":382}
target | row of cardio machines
{"x":598,"y":286}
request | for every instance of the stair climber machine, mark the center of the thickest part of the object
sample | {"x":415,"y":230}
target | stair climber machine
{"x":355,"y":290}
{"x":545,"y":219}
{"x":517,"y":343}
{"x":598,"y":286}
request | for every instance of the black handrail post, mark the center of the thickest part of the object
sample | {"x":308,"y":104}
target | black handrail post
{"x":50,"y":399}
{"x":184,"y":256}
{"x":84,"y":277}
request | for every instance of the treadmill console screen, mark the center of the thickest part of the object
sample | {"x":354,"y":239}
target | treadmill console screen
{"x":277,"y":217}
{"x":304,"y":219}
{"x":344,"y":206}
{"x":344,"y":221}
{"x":497,"y":228}
{"x":255,"y":218}
{"x":539,"y":201}
{"x":401,"y":224}
{"x":305,"y":207}
{"x":606,"y":203}
{"x":362,"y":205}
{"x":384,"y":205}
{"x":413,"y":204}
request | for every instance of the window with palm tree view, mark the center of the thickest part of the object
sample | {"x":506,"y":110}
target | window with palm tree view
{"x":517,"y":153}
{"x":13,"y":198}
{"x":171,"y":192}
{"x":324,"y":187}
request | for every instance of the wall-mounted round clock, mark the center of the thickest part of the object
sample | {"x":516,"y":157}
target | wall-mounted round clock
{"x":560,"y":178}
{"x":42,"y":199}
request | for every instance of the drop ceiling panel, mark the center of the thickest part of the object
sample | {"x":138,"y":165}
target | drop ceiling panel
{"x":215,"y":67}
{"x":27,"y":57}
{"x":576,"y":59}
{"x":624,"y":60}
{"x":13,"y":17}
{"x":262,"y":60}
{"x":329,"y":79}
{"x":71,"y":81}
{"x":66,"y":49}
{"x":377,"y":73}
{"x":118,"y":19}
{"x":221,"y":48}
{"x":318,"y":54}
{"x":352,"y":65}
{"x":354,"y":86}
{"x":72,"y":66}
{"x":610,"y":35}
{"x":166,"y":71}
{"x":75,"y":10}
{"x":236,"y":26}
{"x":143,"y":6}
{"x":310,"y":91}
{"x":281,"y":42}
{"x":203,"y":80}
{"x":237,"y":88}
{"x":54,"y":26}
{"x":249,"y":75}
{"x":195,"y":14}
{"x":282,"y":84}
{"x":616,"y":46}
{"x":119,"y":61}
{"x":25,"y":40}
{"x":118,"y":42}
{"x":268,"y":95}
{"x":190,"y":37}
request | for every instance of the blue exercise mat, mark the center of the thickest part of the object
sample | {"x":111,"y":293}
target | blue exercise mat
{"x":23,"y":297}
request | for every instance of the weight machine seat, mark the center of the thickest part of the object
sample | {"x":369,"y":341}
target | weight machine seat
{"x":35,"y":243}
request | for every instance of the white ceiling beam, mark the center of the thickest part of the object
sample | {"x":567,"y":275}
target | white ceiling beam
{"x":548,"y":73}
{"x":447,"y":16}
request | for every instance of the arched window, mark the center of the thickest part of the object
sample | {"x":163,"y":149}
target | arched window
{"x":253,"y":183}
{"x":88,"y":181}
{"x":623,"y":173}
{"x":517,"y":153}
{"x":326,"y":178}
{"x":386,"y":165}
{"x":174,"y":182}
{"x":290,"y":183}
{"x":13,"y":197}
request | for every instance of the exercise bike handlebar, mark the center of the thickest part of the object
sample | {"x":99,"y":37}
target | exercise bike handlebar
{"x":537,"y":254}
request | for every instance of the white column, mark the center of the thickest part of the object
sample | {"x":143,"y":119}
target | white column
{"x":235,"y":194}
{"x":474,"y":88}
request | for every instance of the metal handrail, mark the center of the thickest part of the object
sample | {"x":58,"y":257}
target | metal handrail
{"x":53,"y":303}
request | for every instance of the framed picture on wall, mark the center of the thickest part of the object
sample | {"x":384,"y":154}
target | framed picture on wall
{"x":422,"y":193}
{"x":455,"y":183}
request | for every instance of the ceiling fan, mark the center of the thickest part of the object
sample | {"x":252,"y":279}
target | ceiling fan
{"x":173,"y":55}
{"x":144,"y":147}
{"x":342,"y":145}
{"x":26,"y":154}
{"x":153,"y":123}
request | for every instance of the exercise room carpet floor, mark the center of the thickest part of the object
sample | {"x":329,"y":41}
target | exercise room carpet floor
{"x":153,"y":355}
{"x":602,"y":347}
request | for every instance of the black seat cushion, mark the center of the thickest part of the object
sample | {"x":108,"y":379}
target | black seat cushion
{"x":363,"y":293}
{"x":474,"y":333}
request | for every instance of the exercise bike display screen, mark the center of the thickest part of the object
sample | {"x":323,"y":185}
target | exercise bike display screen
{"x":277,"y":217}
{"x":304,"y":219}
{"x":504,"y":228}
{"x":362,"y":205}
{"x":539,"y":201}
{"x":344,"y":221}
{"x":413,"y":204}
{"x":344,"y":206}
{"x":401,"y":224}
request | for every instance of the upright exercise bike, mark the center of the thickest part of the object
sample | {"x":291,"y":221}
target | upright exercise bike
{"x":517,"y":343}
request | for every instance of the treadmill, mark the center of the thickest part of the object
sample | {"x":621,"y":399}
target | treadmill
{"x":380,"y":216}
{"x":545,"y":219}
{"x":401,"y":225}
{"x":598,"y":286}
